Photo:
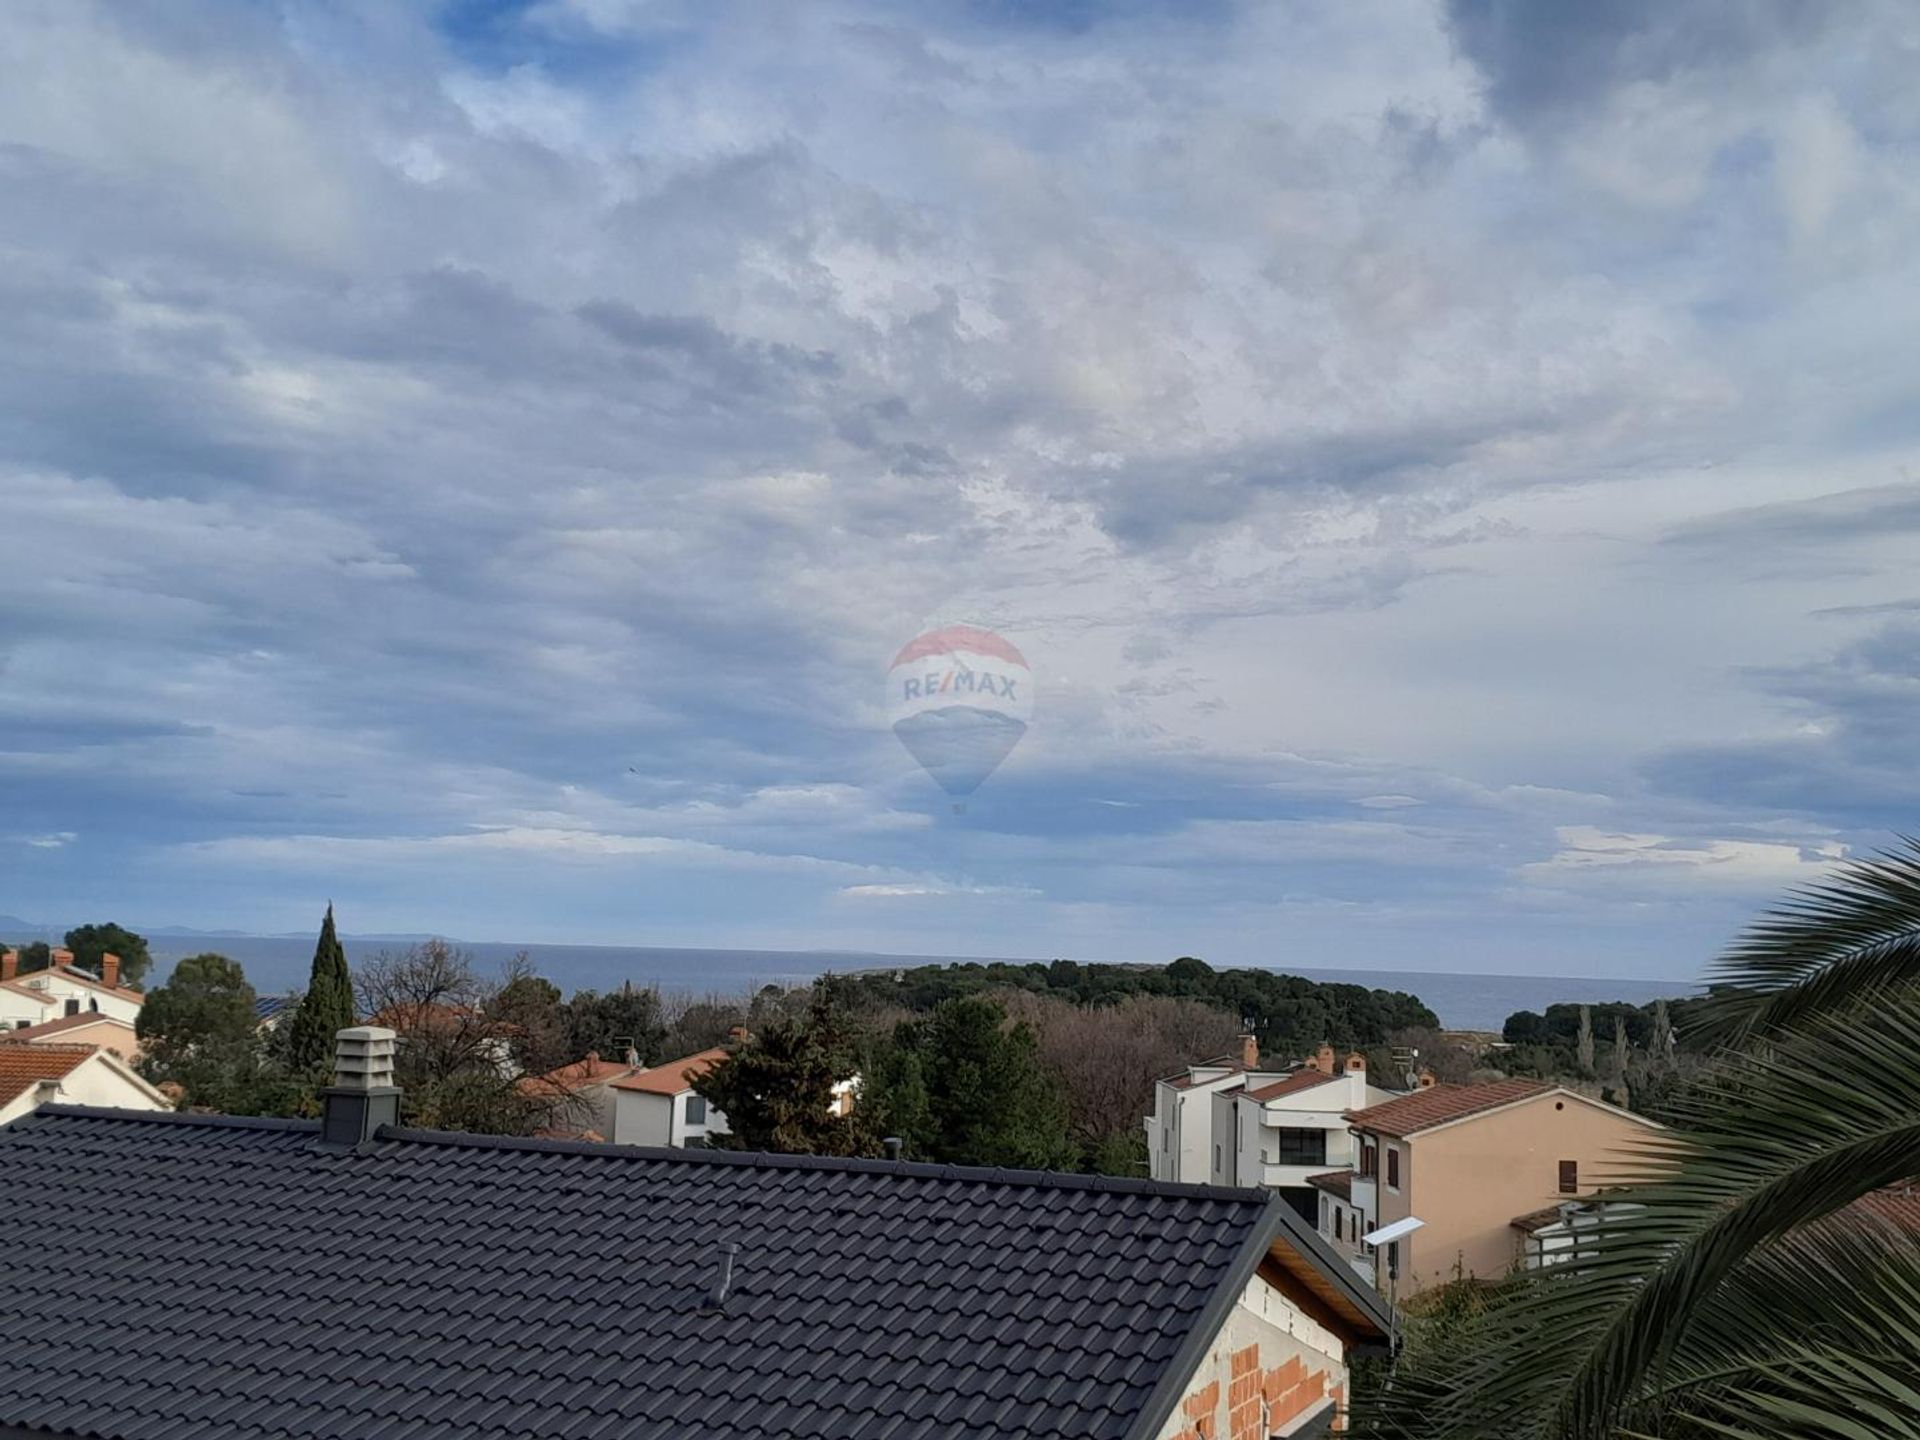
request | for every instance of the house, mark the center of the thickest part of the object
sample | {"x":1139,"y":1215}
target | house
{"x":86,"y":1027}
{"x":658,"y":1107}
{"x":346,"y":1277}
{"x":1230,"y":1121}
{"x":1281,"y":1133}
{"x":63,"y":988}
{"x":36,"y":1075}
{"x":1463,"y":1160}
{"x":578,"y":1098}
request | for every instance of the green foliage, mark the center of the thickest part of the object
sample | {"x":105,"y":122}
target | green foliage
{"x":1288,"y":1014}
{"x":324,"y":1011}
{"x":964,"y":1087}
{"x":197,"y":1031}
{"x":35,"y":955}
{"x":90,"y":942}
{"x":629,"y":1016}
{"x":1742,"y":1289}
{"x":776,"y":1087}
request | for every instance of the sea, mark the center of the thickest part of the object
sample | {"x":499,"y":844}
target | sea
{"x":1462,"y":1001}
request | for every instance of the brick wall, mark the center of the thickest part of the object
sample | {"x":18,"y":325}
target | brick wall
{"x":1269,"y":1367}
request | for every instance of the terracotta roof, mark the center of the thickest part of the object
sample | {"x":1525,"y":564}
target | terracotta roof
{"x":1334,"y":1182}
{"x":61,"y":1023}
{"x":1292,"y":1085}
{"x":673,"y":1078}
{"x":24,"y":1066}
{"x":1438,"y":1104}
{"x":590,"y":1071}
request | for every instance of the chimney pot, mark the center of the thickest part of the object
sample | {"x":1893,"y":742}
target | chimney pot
{"x":1250,"y":1051}
{"x":1426,"y":1080}
{"x":10,"y":965}
{"x":110,"y":971}
{"x":1323,"y":1060}
{"x":892,"y":1145}
{"x":1357,"y":1063}
{"x":363,"y":1096}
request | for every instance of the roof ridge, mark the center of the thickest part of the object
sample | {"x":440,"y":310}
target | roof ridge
{"x":175,"y":1117}
{"x":852,"y":1164}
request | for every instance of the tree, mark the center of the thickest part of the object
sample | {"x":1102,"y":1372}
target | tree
{"x":36,"y":955}
{"x":325,"y":1010}
{"x":776,"y":1087}
{"x":631,"y":1016}
{"x":987,"y":1099}
{"x":1661,"y":1058}
{"x":1583,"y":1048}
{"x":453,"y":1060}
{"x":198,"y":1031}
{"x":1755,"y":1282}
{"x":90,"y":942}
{"x":528,"y":1009}
{"x":1617,"y":1063}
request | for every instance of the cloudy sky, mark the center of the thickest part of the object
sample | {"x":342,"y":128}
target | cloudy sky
{"x":1453,"y":469}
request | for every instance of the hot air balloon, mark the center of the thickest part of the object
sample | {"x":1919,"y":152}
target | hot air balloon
{"x":960,"y":698}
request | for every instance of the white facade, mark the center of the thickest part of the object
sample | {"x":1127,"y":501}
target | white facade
{"x":100,"y":1079}
{"x":1283,"y":1140}
{"x":647,"y":1117}
{"x":49,"y":994}
{"x":1180,"y":1131}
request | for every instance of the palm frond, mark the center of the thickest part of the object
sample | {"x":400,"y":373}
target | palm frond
{"x":1857,"y":931}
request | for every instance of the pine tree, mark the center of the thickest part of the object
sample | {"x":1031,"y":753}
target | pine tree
{"x":325,"y":1009}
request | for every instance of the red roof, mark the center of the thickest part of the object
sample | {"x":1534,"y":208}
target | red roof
{"x":673,"y":1078}
{"x":24,"y":1066}
{"x":1292,"y":1085}
{"x":590,"y":1071}
{"x":1439,"y":1104}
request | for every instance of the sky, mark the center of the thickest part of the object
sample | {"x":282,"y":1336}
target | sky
{"x":1451,"y":469}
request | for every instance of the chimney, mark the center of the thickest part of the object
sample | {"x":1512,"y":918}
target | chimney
{"x":892,"y":1145}
{"x":9,"y":965}
{"x":1425,"y":1080}
{"x":1250,"y":1052}
{"x":1356,"y":1063}
{"x":110,"y":971}
{"x":1323,"y":1060}
{"x":363,"y":1096}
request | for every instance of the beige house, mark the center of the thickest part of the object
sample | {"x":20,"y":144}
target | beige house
{"x":1463,"y":1161}
{"x":86,"y":1027}
{"x":36,"y":1075}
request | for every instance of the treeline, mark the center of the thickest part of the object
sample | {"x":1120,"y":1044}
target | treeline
{"x":88,"y":944}
{"x":1288,"y":1014}
{"x":1637,"y":1056}
{"x":1045,"y":1066}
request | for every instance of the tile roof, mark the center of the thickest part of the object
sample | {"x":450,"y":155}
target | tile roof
{"x":673,"y":1078}
{"x":1438,"y":1104}
{"x":568,"y":1078}
{"x":244,"y":1283}
{"x":1292,"y":1085}
{"x":24,"y":1066}
{"x":62,"y":1023}
{"x":1334,"y":1182}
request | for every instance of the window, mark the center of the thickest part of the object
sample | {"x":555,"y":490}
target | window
{"x":73,"y":1007}
{"x":1393,"y":1167}
{"x":1369,"y":1161}
{"x":696,"y":1110}
{"x":1300,"y":1147}
{"x":1338,"y":1221}
{"x":1216,"y":1157}
{"x":1569,"y":1177}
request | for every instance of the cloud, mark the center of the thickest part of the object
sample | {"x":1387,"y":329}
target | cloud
{"x":510,"y":443}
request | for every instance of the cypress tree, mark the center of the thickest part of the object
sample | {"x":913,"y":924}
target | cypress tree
{"x":327,"y":1006}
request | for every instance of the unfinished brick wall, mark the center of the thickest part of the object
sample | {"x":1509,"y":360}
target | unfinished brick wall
{"x":1265,"y":1371}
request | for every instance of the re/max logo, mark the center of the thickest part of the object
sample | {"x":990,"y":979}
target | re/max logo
{"x":958,"y":682}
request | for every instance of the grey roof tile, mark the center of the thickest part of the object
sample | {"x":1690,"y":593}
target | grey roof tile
{"x":242,"y":1284}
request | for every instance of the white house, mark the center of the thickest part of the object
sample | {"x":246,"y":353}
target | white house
{"x":64,"y":989}
{"x":658,"y":1106}
{"x":1180,"y":1136}
{"x":1282,"y":1133}
{"x":35,"y":1075}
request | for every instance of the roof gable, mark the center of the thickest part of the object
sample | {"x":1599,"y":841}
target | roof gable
{"x":675,"y":1077}
{"x":24,"y":1066}
{"x":264,"y":1285}
{"x":63,"y":1023}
